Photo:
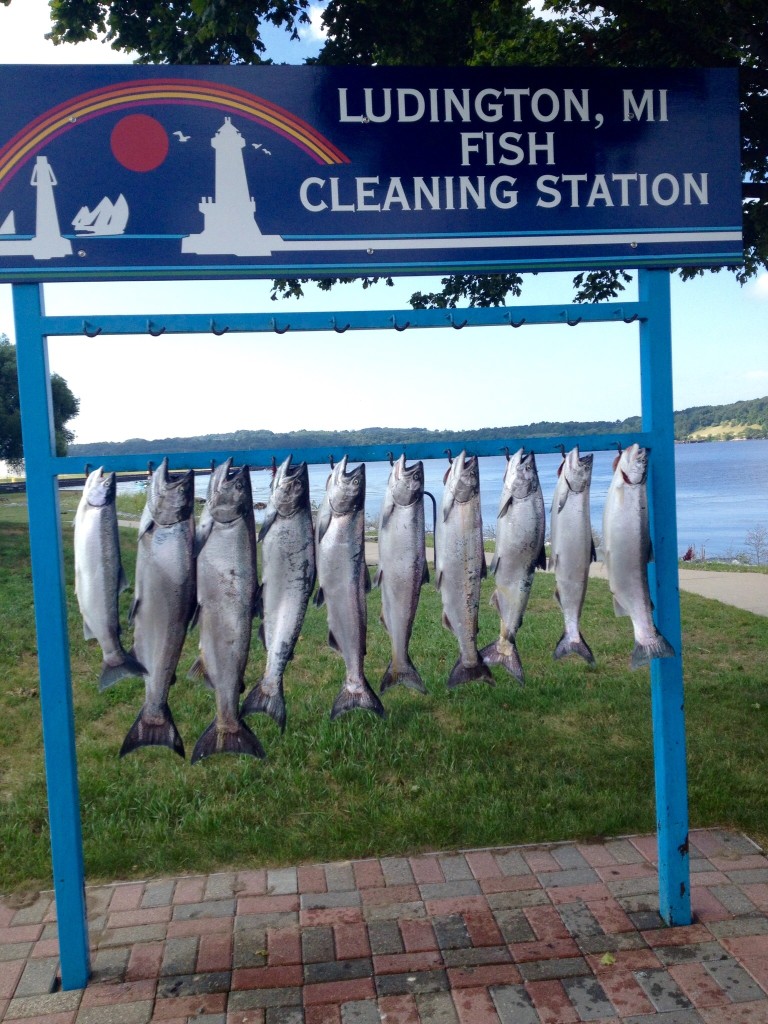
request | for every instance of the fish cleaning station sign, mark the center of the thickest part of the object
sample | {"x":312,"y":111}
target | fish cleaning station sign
{"x":113,"y":172}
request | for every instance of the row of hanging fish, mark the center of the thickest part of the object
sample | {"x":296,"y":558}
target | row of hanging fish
{"x":209,"y":575}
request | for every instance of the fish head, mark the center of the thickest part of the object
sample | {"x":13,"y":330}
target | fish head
{"x":578,"y":470}
{"x":229,"y":493}
{"x":100,"y":488}
{"x":633,"y":464}
{"x":290,"y":488}
{"x":346,"y":491}
{"x":463,"y":478}
{"x":521,"y":477}
{"x":406,"y":483}
{"x":170,"y":498}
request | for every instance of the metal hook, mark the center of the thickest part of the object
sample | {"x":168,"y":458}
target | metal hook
{"x":152,"y":328}
{"x":561,"y":448}
{"x":89,"y":331}
{"x":339,"y":330}
{"x":405,"y":326}
{"x":572,"y":323}
{"x":213,"y":464}
{"x":274,"y":467}
{"x":276,"y":329}
{"x":450,"y":456}
{"x":216,"y":331}
{"x":505,"y":449}
{"x":454,"y":325}
{"x":87,"y":470}
{"x":391,"y":458}
{"x":515,"y":323}
{"x":631,"y":319}
{"x":150,"y":467}
{"x":617,"y":445}
{"x":330,"y":459}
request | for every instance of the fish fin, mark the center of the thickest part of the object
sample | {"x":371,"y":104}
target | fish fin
{"x":194,"y":616}
{"x":122,"y":581}
{"x":203,"y":532}
{"x":447,"y":622}
{"x":552,"y":564}
{"x":483,"y":564}
{"x":438,"y":579}
{"x":495,"y":562}
{"x":324,"y":518}
{"x":618,"y":608}
{"x":257,"y":608}
{"x":366,"y":700}
{"x":657,"y":647}
{"x":561,"y":503}
{"x":272,"y":704}
{"x":580,"y":647}
{"x":220,"y":741}
{"x":494,"y":601}
{"x":447,"y":506}
{"x":557,"y":596}
{"x":592,"y":552}
{"x":333,"y":642}
{"x":408,"y":677}
{"x":151,"y":734}
{"x":425,"y":573}
{"x":88,"y":633}
{"x":461,"y":674}
{"x":626,"y":478}
{"x":387,"y":509}
{"x":367,"y":580}
{"x":262,"y":636}
{"x":132,"y":610}
{"x":509,"y":659}
{"x":269,"y":517}
{"x":127,"y":666}
{"x":319,"y":598}
{"x":377,"y":578}
{"x":198,"y":671}
{"x":541,"y":561}
{"x":503,"y":506}
{"x":146,"y":523}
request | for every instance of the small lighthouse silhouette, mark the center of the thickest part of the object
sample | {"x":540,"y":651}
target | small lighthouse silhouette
{"x":48,"y":241}
{"x":230,"y":227}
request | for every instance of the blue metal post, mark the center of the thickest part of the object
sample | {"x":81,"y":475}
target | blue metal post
{"x":52,"y":636}
{"x":667,"y":673}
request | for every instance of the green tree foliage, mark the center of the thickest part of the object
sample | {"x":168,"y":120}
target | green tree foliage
{"x":65,"y":408}
{"x":611,"y":33}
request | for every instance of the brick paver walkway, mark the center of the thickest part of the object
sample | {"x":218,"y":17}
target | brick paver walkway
{"x":552,"y":934}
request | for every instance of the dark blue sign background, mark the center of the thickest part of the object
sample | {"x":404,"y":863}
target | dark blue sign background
{"x":111,"y":172}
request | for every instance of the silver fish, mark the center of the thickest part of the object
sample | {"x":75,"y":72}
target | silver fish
{"x":460,"y":565}
{"x":402,"y":567}
{"x":572,"y":549}
{"x":627,"y":551}
{"x":228,"y":596}
{"x":519,"y":551}
{"x":99,"y":576}
{"x":163,"y":602}
{"x":344,"y":582}
{"x":288,"y":578}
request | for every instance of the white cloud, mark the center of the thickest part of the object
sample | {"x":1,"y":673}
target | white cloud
{"x":23,"y":26}
{"x":758,"y":289}
{"x":316,"y":30}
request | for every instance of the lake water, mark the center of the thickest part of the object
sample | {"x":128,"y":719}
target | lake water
{"x":722,"y":490}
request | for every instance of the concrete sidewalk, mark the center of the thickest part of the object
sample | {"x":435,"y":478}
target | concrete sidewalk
{"x":546,"y":934}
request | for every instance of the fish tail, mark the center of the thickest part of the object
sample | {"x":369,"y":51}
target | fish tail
{"x":144,"y":733}
{"x":408,"y":676}
{"x":365,"y":700}
{"x":508,"y":658}
{"x":272,"y":704}
{"x":580,"y":647}
{"x":127,"y":666}
{"x":461,"y":673}
{"x":656,"y":647}
{"x":221,"y":741}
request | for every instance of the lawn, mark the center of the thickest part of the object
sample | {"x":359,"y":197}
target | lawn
{"x":567,"y":756}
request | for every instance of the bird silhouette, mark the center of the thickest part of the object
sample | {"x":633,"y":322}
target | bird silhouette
{"x":256,"y":145}
{"x":267,"y":152}
{"x":182,"y":137}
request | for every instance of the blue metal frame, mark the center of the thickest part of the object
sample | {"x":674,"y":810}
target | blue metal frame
{"x":33,"y":328}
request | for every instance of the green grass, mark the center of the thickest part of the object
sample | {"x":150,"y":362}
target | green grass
{"x":568,"y":756}
{"x":723,"y":567}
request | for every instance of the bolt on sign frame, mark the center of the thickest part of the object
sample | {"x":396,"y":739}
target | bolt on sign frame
{"x":367,"y":171}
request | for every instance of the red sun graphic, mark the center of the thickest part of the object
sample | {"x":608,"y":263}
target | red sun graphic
{"x":139,"y":142}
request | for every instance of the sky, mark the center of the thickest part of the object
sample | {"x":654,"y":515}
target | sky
{"x":181,"y":386}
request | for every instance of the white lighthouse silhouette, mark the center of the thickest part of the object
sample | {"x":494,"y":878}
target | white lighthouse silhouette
{"x":230,"y":227}
{"x":47,"y":242}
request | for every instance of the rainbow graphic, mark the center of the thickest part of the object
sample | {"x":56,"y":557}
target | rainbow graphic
{"x":162,"y":92}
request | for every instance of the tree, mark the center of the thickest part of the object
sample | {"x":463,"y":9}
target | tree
{"x":611,"y":33}
{"x":65,"y":408}
{"x":757,"y":541}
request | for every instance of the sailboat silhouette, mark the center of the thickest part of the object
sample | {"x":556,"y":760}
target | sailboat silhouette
{"x":107,"y":218}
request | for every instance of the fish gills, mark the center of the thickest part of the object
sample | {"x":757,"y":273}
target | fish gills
{"x":627,"y":551}
{"x":288,"y":578}
{"x":572,"y":549}
{"x":99,"y":576}
{"x":519,"y":551}
{"x":163,"y":604}
{"x":461,"y":566}
{"x":228,"y":596}
{"x":402,"y":568}
{"x":344,"y":582}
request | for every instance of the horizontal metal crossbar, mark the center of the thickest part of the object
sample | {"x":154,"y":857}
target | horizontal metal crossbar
{"x":356,"y":320}
{"x":262,"y":457}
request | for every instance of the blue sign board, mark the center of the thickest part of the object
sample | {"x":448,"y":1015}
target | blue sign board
{"x":154,"y":172}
